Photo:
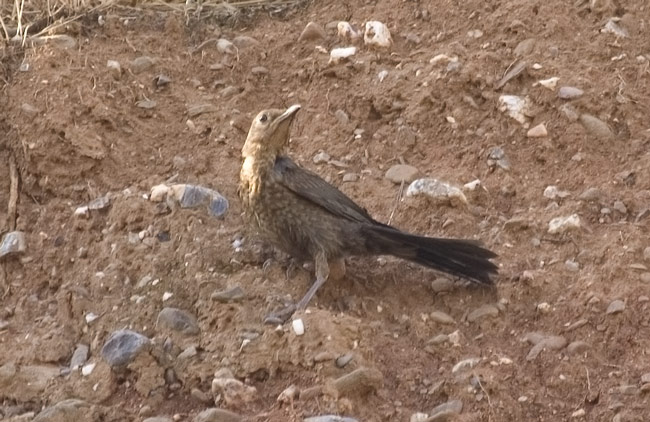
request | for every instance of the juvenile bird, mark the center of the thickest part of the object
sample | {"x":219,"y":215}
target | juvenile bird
{"x":310,"y":219}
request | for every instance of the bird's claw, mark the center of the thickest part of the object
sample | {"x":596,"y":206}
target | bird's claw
{"x":281,"y":316}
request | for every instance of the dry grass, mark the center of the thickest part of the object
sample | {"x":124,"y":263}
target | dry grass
{"x":22,"y":19}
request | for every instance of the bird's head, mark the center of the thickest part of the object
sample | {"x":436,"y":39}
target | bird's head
{"x":270,"y":131}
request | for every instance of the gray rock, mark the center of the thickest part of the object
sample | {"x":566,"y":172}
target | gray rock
{"x":482,"y":312}
{"x":569,"y":92}
{"x":577,"y":347}
{"x":244,"y":41}
{"x":591,"y":195}
{"x":321,"y":157}
{"x":233,"y":294}
{"x":441,"y":317}
{"x":259,"y":70}
{"x":525,"y":47}
{"x":596,"y":127}
{"x":13,"y":243}
{"x":342,"y":116}
{"x":123,"y":346}
{"x":497,"y":157}
{"x":192,"y":196}
{"x":146,"y":104}
{"x":65,"y":411}
{"x":29,"y":109}
{"x":615,"y":307}
{"x":177,"y":320}
{"x":442,"y":284}
{"x":162,"y":80}
{"x":312,"y":32}
{"x":217,"y":415}
{"x":141,"y":64}
{"x":189,"y":352}
{"x":350,"y":177}
{"x":343,"y":360}
{"x":620,"y":207}
{"x":545,"y":342}
{"x":445,"y":411}
{"x":79,"y":357}
{"x":569,"y":112}
{"x":329,"y":418}
{"x":114,"y":68}
{"x":402,"y":173}
{"x":645,"y":378}
{"x":194,"y":110}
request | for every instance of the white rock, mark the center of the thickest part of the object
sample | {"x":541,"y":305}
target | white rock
{"x":544,"y":307}
{"x":166,"y":296}
{"x":347,"y":32}
{"x":88,"y":369}
{"x":538,"y":131}
{"x":342,"y":53}
{"x":377,"y":33}
{"x":298,"y":326}
{"x":552,"y":192}
{"x":82,"y":211}
{"x":90,"y":317}
{"x":158,"y":193}
{"x":612,"y":27}
{"x":516,"y":107}
{"x":226,"y":47}
{"x":443,"y":59}
{"x":563,"y":224}
{"x":465,"y":364}
{"x":549,"y":83}
{"x":382,"y":75}
{"x":472,"y":186}
{"x":321,"y":157}
{"x":436,"y":190}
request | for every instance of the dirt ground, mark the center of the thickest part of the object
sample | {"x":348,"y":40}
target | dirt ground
{"x":566,"y":334}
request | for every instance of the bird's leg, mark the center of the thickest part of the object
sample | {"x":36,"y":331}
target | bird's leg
{"x":322,"y":273}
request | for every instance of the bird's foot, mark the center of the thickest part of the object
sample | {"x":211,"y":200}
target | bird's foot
{"x":281,"y":316}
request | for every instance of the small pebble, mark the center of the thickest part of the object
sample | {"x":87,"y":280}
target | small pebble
{"x":646,"y":254}
{"x":343,"y":360}
{"x":141,"y":64}
{"x":13,"y":243}
{"x":312,"y":32}
{"x":446,"y":411}
{"x":341,"y":116}
{"x":577,"y":347}
{"x":233,"y":294}
{"x":321,"y":157}
{"x":615,"y":307}
{"x":538,"y":131}
{"x":564,"y":224}
{"x":329,"y":418}
{"x":79,"y":357}
{"x":483,"y":311}
{"x":569,"y":92}
{"x":298,"y":326}
{"x":350,"y":177}
{"x":465,"y":364}
{"x":123,"y":346}
{"x":177,"y":320}
{"x":441,"y":317}
{"x":115,"y":68}
{"x":578,"y":413}
{"x":437,"y":190}
{"x":596,"y":127}
{"x":402,"y":173}
{"x":259,"y":70}
{"x":377,"y":34}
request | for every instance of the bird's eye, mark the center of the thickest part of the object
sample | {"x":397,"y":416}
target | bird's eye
{"x":264,"y":118}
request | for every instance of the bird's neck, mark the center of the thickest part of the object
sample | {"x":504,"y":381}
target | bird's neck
{"x":257,"y":164}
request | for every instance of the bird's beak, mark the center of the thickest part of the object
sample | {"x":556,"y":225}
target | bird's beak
{"x":289,"y":114}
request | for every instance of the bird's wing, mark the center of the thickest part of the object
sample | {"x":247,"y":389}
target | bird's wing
{"x":312,"y":188}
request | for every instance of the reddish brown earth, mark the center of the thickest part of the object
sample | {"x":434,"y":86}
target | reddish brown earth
{"x":85,"y":137}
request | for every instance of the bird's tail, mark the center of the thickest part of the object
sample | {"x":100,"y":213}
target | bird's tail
{"x":462,"y":258}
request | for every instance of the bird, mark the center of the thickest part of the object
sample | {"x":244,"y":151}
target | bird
{"x":301,"y":214}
